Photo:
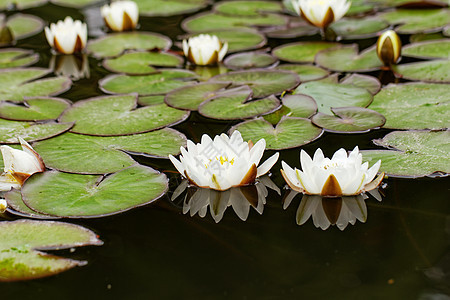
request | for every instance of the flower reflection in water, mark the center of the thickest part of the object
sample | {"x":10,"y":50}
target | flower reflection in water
{"x":326,"y":211}
{"x":73,"y":66}
{"x":197,"y":200}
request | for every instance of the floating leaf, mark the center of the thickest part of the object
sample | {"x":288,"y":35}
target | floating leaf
{"x":367,"y":27}
{"x":418,"y":20}
{"x":300,"y":106}
{"x":151,"y":100}
{"x":21,"y":4}
{"x":301,"y":52}
{"x":85,"y":154}
{"x":295,"y":27}
{"x":75,"y":4}
{"x":414,"y":106}
{"x":152,"y":8}
{"x":240,"y":39}
{"x":118,"y":115}
{"x":20,"y":258}
{"x":249,"y":60}
{"x":17,"y":207}
{"x":246,"y":8}
{"x":10,"y":130}
{"x":34,"y":109}
{"x":23,"y":26}
{"x":415,"y":154}
{"x":14,"y":57}
{"x":306,"y":72}
{"x":288,"y":133}
{"x":428,"y":49}
{"x":90,"y":196}
{"x":428,"y":71}
{"x":422,"y":37}
{"x":369,"y":83}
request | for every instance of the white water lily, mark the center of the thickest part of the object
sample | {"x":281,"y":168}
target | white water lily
{"x":19,"y":165}
{"x":321,"y":13}
{"x":224,"y":162}
{"x":121,"y":15}
{"x":204,"y":49}
{"x":340,"y":175}
{"x":67,"y":36}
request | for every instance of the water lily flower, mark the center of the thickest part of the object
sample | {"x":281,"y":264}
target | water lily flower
{"x":19,"y":165}
{"x":338,"y":176}
{"x":120,"y":15}
{"x":67,"y":36}
{"x":389,"y":47}
{"x":224,"y":162}
{"x":3,"y":205}
{"x":204,"y":49}
{"x":321,"y":13}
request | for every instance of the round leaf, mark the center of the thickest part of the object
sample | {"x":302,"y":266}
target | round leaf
{"x":367,"y":27}
{"x":246,"y":8}
{"x":418,"y":20}
{"x":17,"y":207}
{"x":240,"y":39}
{"x":10,"y":130}
{"x":301,"y":52}
{"x":300,"y":106}
{"x":306,"y":72}
{"x":21,"y":4}
{"x":428,"y":49}
{"x":153,"y":8}
{"x":249,"y":60}
{"x":23,"y":26}
{"x":151,"y":100}
{"x":34,"y":109}
{"x":369,"y":83}
{"x":13,"y":57}
{"x":428,"y":71}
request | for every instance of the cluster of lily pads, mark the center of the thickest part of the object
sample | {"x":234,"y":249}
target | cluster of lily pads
{"x":279,"y":98}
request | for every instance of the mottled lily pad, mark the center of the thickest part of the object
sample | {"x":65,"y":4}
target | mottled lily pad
{"x":90,"y":196}
{"x":301,"y":52}
{"x":414,"y":106}
{"x":153,"y":8}
{"x":34,"y":109}
{"x":428,"y":71}
{"x":306,"y":72}
{"x":23,"y":26}
{"x":247,"y":8}
{"x":418,"y":20}
{"x":360,"y":28}
{"x":14,"y":57}
{"x":17,"y":207}
{"x":115,"y":44}
{"x":428,"y":49}
{"x":85,"y":154}
{"x":300,"y":106}
{"x":10,"y":130}
{"x":415,"y":154}
{"x":249,"y":60}
{"x":20,"y":258}
{"x":288,"y":133}
{"x":21,"y":4}
{"x":118,"y":115}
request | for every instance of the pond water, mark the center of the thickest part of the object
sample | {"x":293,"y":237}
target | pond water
{"x":402,"y":250}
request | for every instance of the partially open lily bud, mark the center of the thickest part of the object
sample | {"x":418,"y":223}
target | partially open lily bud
{"x":321,"y":13}
{"x":389,"y":47}
{"x":67,"y":36}
{"x":121,"y":15}
{"x":204,"y":49}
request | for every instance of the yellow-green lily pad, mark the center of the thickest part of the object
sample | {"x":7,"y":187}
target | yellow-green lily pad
{"x":34,"y":109}
{"x":428,"y":49}
{"x":21,"y":4}
{"x":428,"y":71}
{"x":239,"y":39}
{"x":151,"y":100}
{"x":247,"y":8}
{"x":359,"y":28}
{"x":75,"y":4}
{"x":14,"y":57}
{"x":301,"y":52}
{"x":24,"y":25}
{"x":418,"y":20}
{"x":17,"y":207}
{"x":248,"y":60}
{"x":153,"y":8}
{"x":29,"y":131}
{"x":300,"y":106}
{"x":306,"y":72}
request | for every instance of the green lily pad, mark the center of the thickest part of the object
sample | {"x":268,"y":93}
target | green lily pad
{"x":296,"y":27}
{"x":14,"y":57}
{"x":118,"y":115}
{"x":414,"y":106}
{"x":247,"y":8}
{"x":15,"y":84}
{"x":190,"y":97}
{"x":151,"y":100}
{"x":21,"y":4}
{"x":239,"y":39}
{"x":428,"y":49}
{"x":415,"y":154}
{"x":301,"y":52}
{"x":349,"y":120}
{"x":288,"y":133}
{"x":153,"y":8}
{"x":90,"y":196}
{"x":145,"y":85}
{"x":17,"y":207}
{"x":263,"y":82}
{"x":142,"y":62}
{"x":369,"y":83}
{"x":74,"y":4}
{"x":249,"y":60}
{"x":23,"y":26}
{"x":346,"y":58}
{"x":422,"y":37}
{"x":428,"y":71}
{"x":359,"y":7}
{"x":114,"y":44}
{"x":234,"y":105}
{"x":10,"y":130}
{"x":34,"y":109}
{"x":300,"y":106}
{"x":418,"y":20}
{"x":305,"y":72}
{"x":85,"y":154}
{"x":20,"y":258}
{"x":361,"y":28}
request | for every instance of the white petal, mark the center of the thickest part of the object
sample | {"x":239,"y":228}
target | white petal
{"x":268,"y":164}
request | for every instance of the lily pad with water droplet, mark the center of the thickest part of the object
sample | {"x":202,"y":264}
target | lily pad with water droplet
{"x":153,"y":8}
{"x":428,"y":49}
{"x":288,"y":133}
{"x":22,"y":240}
{"x":21,"y":4}
{"x":247,"y":8}
{"x":306,"y":72}
{"x":34,"y":109}
{"x":118,"y":115}
{"x":300,"y":106}
{"x":17,"y":207}
{"x":85,"y":154}
{"x":370,"y":83}
{"x":415,"y":154}
{"x":349,"y":29}
{"x":301,"y":52}
{"x":23,"y":25}
{"x":414,"y":106}
{"x":114,"y":44}
{"x":91,"y":196}
{"x":418,"y":20}
{"x":14,"y":57}
{"x":249,"y":60}
{"x":29,"y":131}
{"x":428,"y":71}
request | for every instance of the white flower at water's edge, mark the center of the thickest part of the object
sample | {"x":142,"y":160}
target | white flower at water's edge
{"x":67,"y":36}
{"x":224,"y":162}
{"x":321,"y":13}
{"x":19,"y":165}
{"x":120,"y":15}
{"x":341,"y":175}
{"x":204,"y":49}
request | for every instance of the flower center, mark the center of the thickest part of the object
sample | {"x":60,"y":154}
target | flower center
{"x":220,"y":160}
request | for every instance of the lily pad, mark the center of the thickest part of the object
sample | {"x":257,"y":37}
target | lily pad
{"x":370,"y":83}
{"x":422,"y":37}
{"x":240,"y":39}
{"x":346,"y":58}
{"x":428,"y":49}
{"x":301,"y":52}
{"x":247,"y":8}
{"x":34,"y":109}
{"x":23,"y":26}
{"x":21,"y":4}
{"x":90,"y":196}
{"x":263,"y":82}
{"x":153,"y":8}
{"x":234,"y":105}
{"x":20,"y":258}
{"x":85,"y":154}
{"x":418,"y":20}
{"x":151,"y":100}
{"x":10,"y":130}
{"x":17,"y":207}
{"x":361,"y":28}
{"x":115,"y":44}
{"x":118,"y":115}
{"x":414,"y":106}
{"x":288,"y":133}
{"x":428,"y":71}
{"x":74,"y":4}
{"x":349,"y":120}
{"x":14,"y":57}
{"x":153,"y":84}
{"x":142,"y":62}
{"x":415,"y":154}
{"x":249,"y":60}
{"x":295,"y":27}
{"x":300,"y":106}
{"x":306,"y":72}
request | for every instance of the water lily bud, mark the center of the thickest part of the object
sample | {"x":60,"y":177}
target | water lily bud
{"x":204,"y":49}
{"x":321,"y":13}
{"x":389,"y":47}
{"x":3,"y":205}
{"x":121,"y":15}
{"x":6,"y":35}
{"x":67,"y":36}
